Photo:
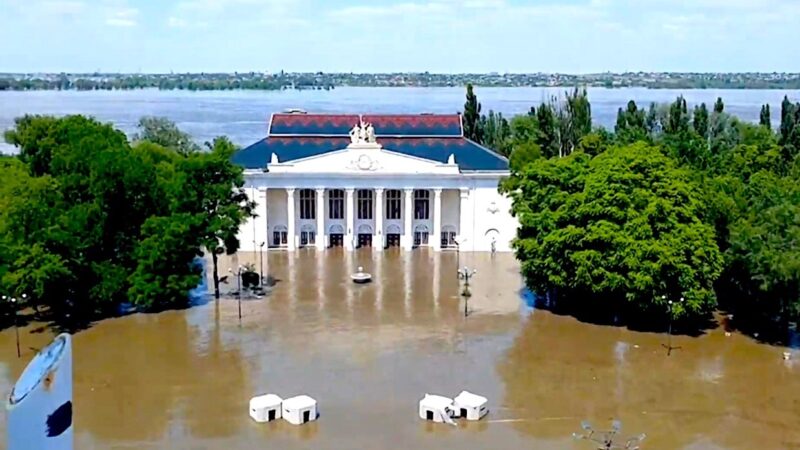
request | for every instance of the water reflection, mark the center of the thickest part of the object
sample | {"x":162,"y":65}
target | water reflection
{"x":182,"y":379}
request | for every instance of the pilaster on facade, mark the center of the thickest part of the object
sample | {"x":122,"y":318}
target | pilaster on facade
{"x":378,"y":240}
{"x":437,"y":220}
{"x":320,"y":214}
{"x":291,"y":219}
{"x":408,"y":213}
{"x":349,"y":237}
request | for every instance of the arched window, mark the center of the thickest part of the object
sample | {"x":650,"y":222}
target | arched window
{"x":279,"y":236}
{"x":336,"y":204}
{"x":449,"y":236}
{"x":393,"y":204}
{"x":364,"y":204}
{"x":421,"y":204}
{"x":308,"y":204}
{"x":420,"y":235}
{"x":307,"y":235}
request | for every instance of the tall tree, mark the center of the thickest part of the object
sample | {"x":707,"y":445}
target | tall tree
{"x":575,"y":119}
{"x":210,"y":186}
{"x":764,"y":118}
{"x":472,"y":116}
{"x":700,"y":120}
{"x":164,"y":132}
{"x":622,"y":228}
{"x":678,"y":120}
{"x":547,"y":131}
{"x":631,"y":124}
{"x":719,"y":106}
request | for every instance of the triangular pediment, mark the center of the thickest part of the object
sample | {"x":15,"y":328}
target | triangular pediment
{"x":364,"y":159}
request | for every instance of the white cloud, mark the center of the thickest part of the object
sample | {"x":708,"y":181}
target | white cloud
{"x":176,"y":22}
{"x":124,"y":17}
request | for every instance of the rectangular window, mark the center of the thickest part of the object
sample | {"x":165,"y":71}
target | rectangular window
{"x":420,"y":238}
{"x":365,"y":204}
{"x":393,"y":204}
{"x":336,"y":204}
{"x":308,"y":204}
{"x":421,"y":205}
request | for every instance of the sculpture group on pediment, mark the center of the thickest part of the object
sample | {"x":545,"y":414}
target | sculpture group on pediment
{"x":363,"y":133}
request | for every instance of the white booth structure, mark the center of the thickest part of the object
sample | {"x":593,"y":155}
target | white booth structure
{"x":470,"y":406}
{"x":436,"y":408}
{"x":299,"y":410}
{"x":265,"y":408}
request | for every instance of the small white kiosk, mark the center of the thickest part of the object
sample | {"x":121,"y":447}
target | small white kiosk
{"x":299,"y":410}
{"x":470,"y":406}
{"x":265,"y":408}
{"x":436,"y":408}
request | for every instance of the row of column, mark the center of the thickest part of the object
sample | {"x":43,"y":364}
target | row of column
{"x":406,"y":239}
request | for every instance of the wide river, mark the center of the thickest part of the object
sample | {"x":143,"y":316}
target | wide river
{"x":243,"y":115}
{"x":368,"y":353}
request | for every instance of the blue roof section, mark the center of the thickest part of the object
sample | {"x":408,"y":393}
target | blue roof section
{"x":257,"y":156}
{"x":469,"y":155}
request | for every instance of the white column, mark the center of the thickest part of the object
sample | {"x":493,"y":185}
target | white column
{"x":290,"y":219}
{"x":437,"y":220}
{"x":320,"y":219}
{"x":348,"y":226}
{"x":262,"y":232}
{"x":465,"y":223}
{"x":378,"y":239}
{"x":408,"y":233}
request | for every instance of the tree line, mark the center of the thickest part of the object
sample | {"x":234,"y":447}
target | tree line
{"x":90,"y":220}
{"x":674,"y":203}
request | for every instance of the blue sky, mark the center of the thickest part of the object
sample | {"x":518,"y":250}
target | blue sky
{"x":571,"y":36}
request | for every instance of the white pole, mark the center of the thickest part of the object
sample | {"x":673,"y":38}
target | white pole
{"x":39,"y":408}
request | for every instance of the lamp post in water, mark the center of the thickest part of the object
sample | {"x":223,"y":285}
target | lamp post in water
{"x":605,"y":439}
{"x":465,"y":274}
{"x":239,"y":289}
{"x":16,"y":326}
{"x":668,"y":345}
{"x":261,"y":268}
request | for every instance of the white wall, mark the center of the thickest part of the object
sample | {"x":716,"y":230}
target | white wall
{"x":485,"y":209}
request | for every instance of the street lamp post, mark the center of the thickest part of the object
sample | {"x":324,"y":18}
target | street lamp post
{"x":261,"y":268}
{"x":668,"y":345}
{"x":16,"y":327}
{"x":239,"y":289}
{"x":605,"y":439}
{"x":465,"y":274}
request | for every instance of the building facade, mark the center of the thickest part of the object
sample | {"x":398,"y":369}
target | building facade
{"x":379,"y":181}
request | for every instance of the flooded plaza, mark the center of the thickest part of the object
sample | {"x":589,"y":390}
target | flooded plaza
{"x":368,"y":353}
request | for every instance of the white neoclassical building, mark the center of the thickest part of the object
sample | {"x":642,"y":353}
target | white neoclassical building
{"x":380,"y":181}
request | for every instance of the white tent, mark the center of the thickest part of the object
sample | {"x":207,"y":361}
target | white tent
{"x":436,"y":408}
{"x":299,"y":410}
{"x":265,"y":408}
{"x":470,"y":406}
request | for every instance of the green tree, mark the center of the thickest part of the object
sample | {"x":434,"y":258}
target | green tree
{"x":621,"y":227}
{"x":631,"y":124}
{"x":472,"y":117}
{"x":700,"y":120}
{"x":496,"y":132}
{"x":719,"y":106}
{"x":548,"y":136}
{"x":575,"y":119}
{"x":764,"y":118}
{"x":210,"y":186}
{"x":164,"y":132}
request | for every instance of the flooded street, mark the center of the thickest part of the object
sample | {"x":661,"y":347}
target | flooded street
{"x":368,"y":353}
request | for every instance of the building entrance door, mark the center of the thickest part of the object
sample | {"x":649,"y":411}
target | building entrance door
{"x":337,"y":240}
{"x":392,"y":240}
{"x":364,"y":240}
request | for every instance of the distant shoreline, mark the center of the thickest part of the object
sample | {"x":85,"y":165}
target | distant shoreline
{"x":327,"y":81}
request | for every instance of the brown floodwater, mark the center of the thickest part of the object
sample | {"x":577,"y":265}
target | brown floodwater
{"x":368,"y":353}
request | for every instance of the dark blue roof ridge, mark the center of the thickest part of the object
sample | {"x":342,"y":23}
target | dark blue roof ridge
{"x":493,"y":152}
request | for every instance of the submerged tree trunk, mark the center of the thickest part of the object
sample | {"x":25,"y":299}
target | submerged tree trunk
{"x":216,"y":274}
